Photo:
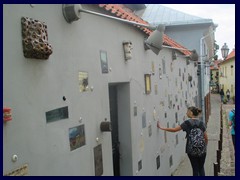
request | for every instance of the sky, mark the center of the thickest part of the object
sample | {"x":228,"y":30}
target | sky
{"x":221,"y":14}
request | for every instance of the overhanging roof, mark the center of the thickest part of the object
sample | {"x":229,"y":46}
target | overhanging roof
{"x":158,"y":14}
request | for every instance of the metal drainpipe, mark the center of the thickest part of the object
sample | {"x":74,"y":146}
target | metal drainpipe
{"x":202,"y":78}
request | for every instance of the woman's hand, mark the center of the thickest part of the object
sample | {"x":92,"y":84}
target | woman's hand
{"x":158,"y":125}
{"x":178,"y":128}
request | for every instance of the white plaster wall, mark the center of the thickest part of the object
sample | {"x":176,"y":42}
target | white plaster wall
{"x":32,"y":87}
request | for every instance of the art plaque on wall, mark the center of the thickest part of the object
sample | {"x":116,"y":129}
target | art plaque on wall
{"x":104,"y":61}
{"x":57,"y":114}
{"x":158,"y":161}
{"x":150,"y":130}
{"x":160,"y":72}
{"x":164,"y":66}
{"x":98,"y":162}
{"x":147,"y":79}
{"x":77,"y":137}
{"x":144,"y":123}
{"x":83,"y":81}
{"x":139,"y":165}
{"x":135,"y":110}
{"x":156,"y":89}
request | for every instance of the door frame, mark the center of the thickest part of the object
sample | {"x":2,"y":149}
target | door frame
{"x":124,"y":127}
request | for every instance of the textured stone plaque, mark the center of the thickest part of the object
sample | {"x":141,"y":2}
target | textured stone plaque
{"x":98,"y":160}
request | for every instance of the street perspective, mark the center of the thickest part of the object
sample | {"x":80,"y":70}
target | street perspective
{"x":119,"y":90}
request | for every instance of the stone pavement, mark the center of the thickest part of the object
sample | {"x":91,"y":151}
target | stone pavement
{"x":227,"y":163}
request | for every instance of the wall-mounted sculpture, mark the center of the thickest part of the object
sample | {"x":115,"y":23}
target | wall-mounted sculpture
{"x":83,"y":81}
{"x":105,"y":126}
{"x":35,"y":39}
{"x":127,"y":47}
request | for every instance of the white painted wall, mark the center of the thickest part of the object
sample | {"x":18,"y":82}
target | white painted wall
{"x":32,"y":87}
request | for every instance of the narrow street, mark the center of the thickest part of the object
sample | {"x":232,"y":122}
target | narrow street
{"x":227,"y":165}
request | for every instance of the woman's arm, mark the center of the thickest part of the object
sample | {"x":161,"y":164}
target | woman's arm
{"x":178,"y":128}
{"x":229,"y":122}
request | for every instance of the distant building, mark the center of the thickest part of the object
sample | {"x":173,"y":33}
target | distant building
{"x":227,"y":73}
{"x":214,"y":71}
{"x":194,"y":33}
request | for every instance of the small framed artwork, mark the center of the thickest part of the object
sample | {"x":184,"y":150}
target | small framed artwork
{"x":176,"y":139}
{"x":139,"y":165}
{"x":147,"y":79}
{"x":144,"y":123}
{"x":83,"y":81}
{"x":171,"y":66}
{"x":76,"y":137}
{"x":153,"y":68}
{"x":158,"y":161}
{"x":156,"y":89}
{"x":164,"y":66}
{"x":57,"y":114}
{"x":135,"y":110}
{"x":176,"y":117}
{"x":165,"y":136}
{"x":104,"y":61}
{"x":98,"y":160}
{"x":171,"y":161}
{"x":160,"y":72}
{"x":150,"y":130}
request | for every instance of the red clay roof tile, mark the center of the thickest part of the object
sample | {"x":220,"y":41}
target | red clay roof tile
{"x":231,"y":55}
{"x":118,"y":10}
{"x":215,"y":66}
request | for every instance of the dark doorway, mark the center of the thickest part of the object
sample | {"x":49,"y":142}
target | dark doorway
{"x":114,"y":122}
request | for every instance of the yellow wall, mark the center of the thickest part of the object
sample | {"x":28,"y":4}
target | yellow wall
{"x":214,"y":75}
{"x":227,"y":76}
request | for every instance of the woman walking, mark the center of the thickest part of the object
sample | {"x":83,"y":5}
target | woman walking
{"x":196,"y":131}
{"x":228,"y":95}
{"x":222,"y":95}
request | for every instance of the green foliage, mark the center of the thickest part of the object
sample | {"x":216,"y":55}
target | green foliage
{"x":216,"y":48}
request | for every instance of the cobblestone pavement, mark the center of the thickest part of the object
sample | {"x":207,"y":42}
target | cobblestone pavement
{"x":227,"y":162}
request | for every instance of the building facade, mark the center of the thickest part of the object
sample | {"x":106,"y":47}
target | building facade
{"x":192,"y":32}
{"x":214,"y":82}
{"x":227,"y":74}
{"x":76,"y":103}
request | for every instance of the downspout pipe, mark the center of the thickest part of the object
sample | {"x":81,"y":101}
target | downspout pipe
{"x":203,"y":77}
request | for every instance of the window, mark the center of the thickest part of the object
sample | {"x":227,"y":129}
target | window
{"x":222,"y":72}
